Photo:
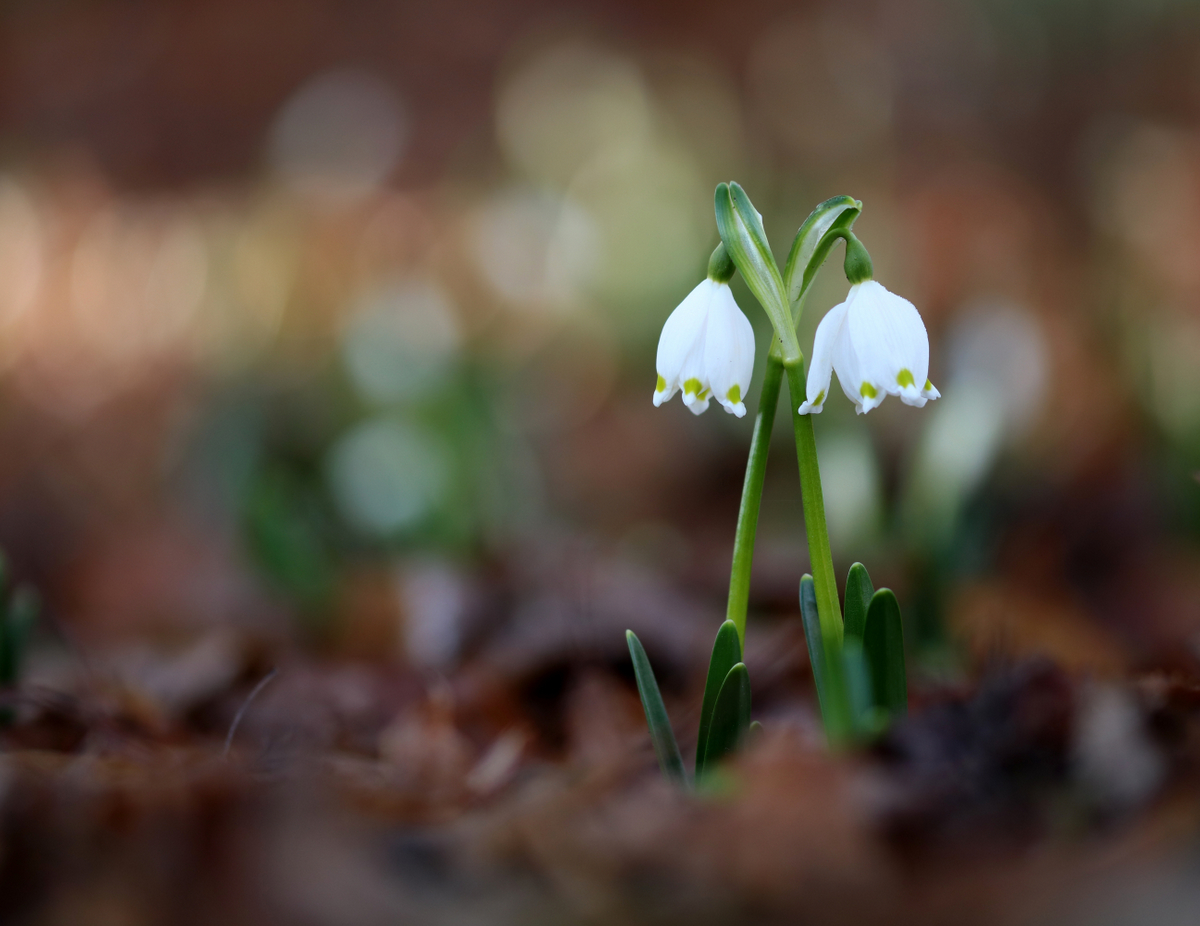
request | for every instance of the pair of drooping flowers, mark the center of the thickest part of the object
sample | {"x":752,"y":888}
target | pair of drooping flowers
{"x":875,"y":341}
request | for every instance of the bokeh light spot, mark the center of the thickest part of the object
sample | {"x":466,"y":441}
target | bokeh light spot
{"x":386,"y":476}
{"x":339,"y":136}
{"x":400,"y":340}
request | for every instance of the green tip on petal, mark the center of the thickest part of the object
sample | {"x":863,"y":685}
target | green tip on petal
{"x":660,"y":385}
{"x":905,"y":378}
{"x":928,"y":384}
{"x":691,"y":386}
{"x":734,"y":394}
{"x":868,"y":391}
{"x":820,"y":398}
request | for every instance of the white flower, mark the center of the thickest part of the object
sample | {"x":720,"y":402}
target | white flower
{"x":707,"y":349}
{"x":876,"y":343}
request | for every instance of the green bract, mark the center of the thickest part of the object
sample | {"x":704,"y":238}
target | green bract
{"x":812,"y":245}
{"x":742,"y":234}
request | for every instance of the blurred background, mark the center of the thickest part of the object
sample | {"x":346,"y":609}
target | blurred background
{"x":314,"y":316}
{"x":327,"y":337}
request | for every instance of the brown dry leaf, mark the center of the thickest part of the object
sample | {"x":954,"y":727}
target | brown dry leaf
{"x":178,"y":679}
{"x":427,"y":752}
{"x":795,"y":834}
{"x":499,"y":763}
{"x":604,"y":720}
{"x":367,"y":615}
{"x":1000,"y":619}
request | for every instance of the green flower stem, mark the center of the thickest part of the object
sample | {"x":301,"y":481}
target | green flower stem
{"x":756,"y":469}
{"x":828,"y":608}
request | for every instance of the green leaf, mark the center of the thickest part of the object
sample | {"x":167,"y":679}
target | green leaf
{"x":661,"y":733}
{"x":812,"y":636}
{"x":745,"y":239}
{"x":730,"y":717}
{"x":813,"y":242}
{"x":858,"y":687}
{"x":883,"y":643}
{"x":829,"y":675}
{"x":726,"y":653}
{"x":17,"y":617}
{"x":18,"y":613}
{"x":858,"y":598}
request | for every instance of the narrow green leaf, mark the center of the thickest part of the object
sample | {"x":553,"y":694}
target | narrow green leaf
{"x":26,"y":604}
{"x":17,"y":617}
{"x":829,"y":675}
{"x":883,"y":642}
{"x":726,"y":653}
{"x":661,"y":733}
{"x":858,"y":686}
{"x":812,"y":636}
{"x":858,"y":598}
{"x":730,"y":717}
{"x":742,"y":232}
{"x":18,"y":613}
{"x":803,"y":261}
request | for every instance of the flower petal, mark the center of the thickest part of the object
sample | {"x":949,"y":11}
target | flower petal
{"x":697,"y":404}
{"x":682,"y":338}
{"x":891,"y":344}
{"x":820,"y":370}
{"x":846,"y":363}
{"x":728,"y":351}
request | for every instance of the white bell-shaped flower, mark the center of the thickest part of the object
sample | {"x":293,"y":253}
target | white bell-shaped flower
{"x":707,"y":350}
{"x":877,"y":344}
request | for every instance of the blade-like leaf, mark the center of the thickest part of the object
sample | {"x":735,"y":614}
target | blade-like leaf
{"x":726,"y":653}
{"x":812,"y":243}
{"x":829,"y":675}
{"x":812,"y":636}
{"x":858,"y":598}
{"x":661,"y":733}
{"x":730,"y":717}
{"x":17,"y":617}
{"x":18,"y":613}
{"x":858,"y":685}
{"x":883,"y":643}
{"x":742,"y":232}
